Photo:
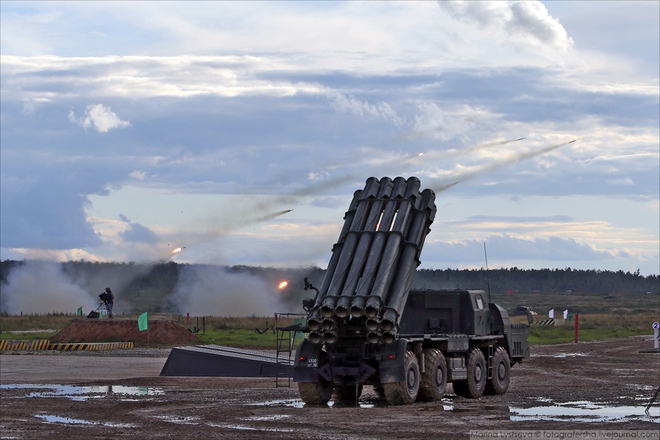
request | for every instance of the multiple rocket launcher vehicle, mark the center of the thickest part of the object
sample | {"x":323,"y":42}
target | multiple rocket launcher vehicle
{"x":366,"y":326}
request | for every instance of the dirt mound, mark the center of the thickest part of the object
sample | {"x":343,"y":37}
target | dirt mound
{"x":124,"y":330}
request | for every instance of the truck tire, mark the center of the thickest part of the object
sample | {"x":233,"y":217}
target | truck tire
{"x":477,"y":376}
{"x":347,"y":393}
{"x":401,"y":393}
{"x":501,"y":369}
{"x":434,"y":378}
{"x":315,"y":393}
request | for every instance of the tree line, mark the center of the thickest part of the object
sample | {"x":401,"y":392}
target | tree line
{"x":163,"y":277}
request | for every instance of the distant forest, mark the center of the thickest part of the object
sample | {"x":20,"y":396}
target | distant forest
{"x":137,"y":278}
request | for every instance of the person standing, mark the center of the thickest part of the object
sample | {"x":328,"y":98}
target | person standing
{"x":109,"y":299}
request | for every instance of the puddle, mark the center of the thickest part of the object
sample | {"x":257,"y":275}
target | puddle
{"x":65,"y":420}
{"x":565,"y":355}
{"x":268,"y":418}
{"x":69,"y":421}
{"x":80,"y":393}
{"x":294,"y":403}
{"x":187,"y":420}
{"x":297,"y":403}
{"x":248,"y":428}
{"x":585,"y":411}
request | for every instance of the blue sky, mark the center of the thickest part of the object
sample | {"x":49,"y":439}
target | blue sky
{"x":133,"y":128}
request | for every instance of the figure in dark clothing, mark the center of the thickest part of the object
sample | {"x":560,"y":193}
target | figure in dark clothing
{"x":108,"y":299}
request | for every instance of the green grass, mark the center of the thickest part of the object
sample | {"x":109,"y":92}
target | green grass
{"x":596,"y":327}
{"x":32,"y":336}
{"x":240,"y":331}
{"x":580,"y":302}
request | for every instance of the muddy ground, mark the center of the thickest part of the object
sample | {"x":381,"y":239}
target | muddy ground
{"x":119,"y":394}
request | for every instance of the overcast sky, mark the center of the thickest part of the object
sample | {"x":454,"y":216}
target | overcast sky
{"x":130,"y":129}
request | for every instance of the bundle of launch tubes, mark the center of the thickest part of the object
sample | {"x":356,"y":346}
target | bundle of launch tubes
{"x":373,"y":263}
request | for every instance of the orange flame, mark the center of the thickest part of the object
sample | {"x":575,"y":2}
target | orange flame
{"x":283,"y":284}
{"x":177,"y":250}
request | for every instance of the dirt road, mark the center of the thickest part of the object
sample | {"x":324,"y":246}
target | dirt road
{"x":587,"y":387}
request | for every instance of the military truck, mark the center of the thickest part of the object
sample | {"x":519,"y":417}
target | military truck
{"x":366,"y":327}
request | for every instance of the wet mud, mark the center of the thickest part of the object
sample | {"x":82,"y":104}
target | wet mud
{"x":585,"y":386}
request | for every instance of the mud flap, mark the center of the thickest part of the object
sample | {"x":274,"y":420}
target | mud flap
{"x":391,"y":369}
{"x":306,"y":365}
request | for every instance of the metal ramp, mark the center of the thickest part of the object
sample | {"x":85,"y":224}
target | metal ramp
{"x":221,"y":361}
{"x":286,"y":342}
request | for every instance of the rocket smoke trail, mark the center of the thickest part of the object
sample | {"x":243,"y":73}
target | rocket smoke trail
{"x":482,"y":169}
{"x":445,"y":187}
{"x":270,"y":216}
{"x":461,"y":151}
{"x":402,"y":164}
{"x":250,"y":214}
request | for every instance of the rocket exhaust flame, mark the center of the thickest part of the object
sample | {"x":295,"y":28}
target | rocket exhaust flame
{"x":283,"y":285}
{"x":177,"y":250}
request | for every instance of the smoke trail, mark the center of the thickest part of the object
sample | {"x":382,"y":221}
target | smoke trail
{"x":243,"y":216}
{"x":271,"y":216}
{"x":445,"y":187}
{"x":479,"y":170}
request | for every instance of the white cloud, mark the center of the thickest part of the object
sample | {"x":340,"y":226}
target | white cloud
{"x":100,"y":117}
{"x":293,"y":100}
{"x":138,"y":174}
{"x":360,"y":107}
{"x":523,"y":24}
{"x":624,"y":181}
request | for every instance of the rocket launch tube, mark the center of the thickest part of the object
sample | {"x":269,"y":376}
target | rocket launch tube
{"x":348,"y":249}
{"x":373,"y":337}
{"x":329,"y":324}
{"x":330,"y":337}
{"x":342,"y":308}
{"x":314,"y":320}
{"x":336,"y":249}
{"x":409,"y":260}
{"x":374,"y":260}
{"x":364,"y":243}
{"x":365,"y":286}
{"x":392,"y":248}
{"x":315,"y":337}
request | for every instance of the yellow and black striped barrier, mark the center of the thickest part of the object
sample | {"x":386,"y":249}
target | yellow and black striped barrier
{"x":79,"y":346}
{"x":546,"y":322}
{"x":24,"y":345}
{"x":45,"y":344}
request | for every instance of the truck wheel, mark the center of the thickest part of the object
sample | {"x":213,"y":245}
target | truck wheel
{"x":315,"y":393}
{"x":400,"y":393}
{"x":477,"y":375}
{"x":501,"y":369}
{"x":434,"y":378}
{"x":347,"y":393}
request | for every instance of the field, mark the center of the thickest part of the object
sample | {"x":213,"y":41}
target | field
{"x":242,"y":332}
{"x":590,"y":387}
{"x":617,"y":316}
